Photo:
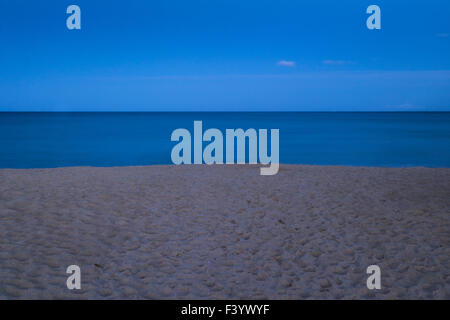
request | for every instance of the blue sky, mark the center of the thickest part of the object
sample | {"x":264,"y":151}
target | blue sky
{"x":224,"y":55}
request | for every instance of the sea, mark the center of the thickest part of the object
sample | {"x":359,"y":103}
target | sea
{"x":383,"y":139}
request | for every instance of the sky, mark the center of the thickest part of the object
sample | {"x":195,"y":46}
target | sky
{"x":236,"y":55}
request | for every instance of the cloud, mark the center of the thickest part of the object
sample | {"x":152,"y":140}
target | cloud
{"x":337,"y":62}
{"x":442,"y":35}
{"x":284,"y":63}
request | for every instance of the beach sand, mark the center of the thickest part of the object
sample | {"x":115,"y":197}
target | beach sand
{"x":225,"y":232}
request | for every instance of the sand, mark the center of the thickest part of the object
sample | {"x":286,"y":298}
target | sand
{"x":225,"y":232}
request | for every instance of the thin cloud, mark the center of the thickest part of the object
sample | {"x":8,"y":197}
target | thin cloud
{"x":442,"y":35}
{"x":284,"y":63}
{"x":337,"y":62}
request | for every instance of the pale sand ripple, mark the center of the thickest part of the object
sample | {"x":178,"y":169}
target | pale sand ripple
{"x":225,"y":232}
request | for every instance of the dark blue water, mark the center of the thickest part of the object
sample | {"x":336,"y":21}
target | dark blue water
{"x":41,"y":140}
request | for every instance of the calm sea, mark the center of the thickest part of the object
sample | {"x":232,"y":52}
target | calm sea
{"x":42,"y":140}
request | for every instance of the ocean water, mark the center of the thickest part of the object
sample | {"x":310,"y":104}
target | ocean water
{"x":44,"y":140}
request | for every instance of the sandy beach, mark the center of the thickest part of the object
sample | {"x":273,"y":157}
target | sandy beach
{"x":225,"y":232}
